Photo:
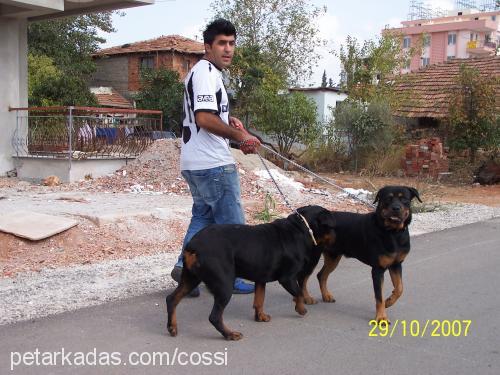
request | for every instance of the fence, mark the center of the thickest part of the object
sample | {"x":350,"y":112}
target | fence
{"x":84,"y":132}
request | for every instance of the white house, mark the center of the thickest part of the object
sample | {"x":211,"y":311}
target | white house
{"x":14,"y":18}
{"x":326,"y":99}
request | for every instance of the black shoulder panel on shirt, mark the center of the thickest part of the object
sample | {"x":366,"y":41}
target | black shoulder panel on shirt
{"x":186,"y":134}
{"x":218,"y":96}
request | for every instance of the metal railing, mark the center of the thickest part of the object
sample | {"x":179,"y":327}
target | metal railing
{"x":84,"y":132}
{"x":473,"y":44}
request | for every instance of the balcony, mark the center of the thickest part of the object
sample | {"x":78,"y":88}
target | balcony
{"x":480,"y":48}
{"x":73,"y":142}
{"x":45,"y":9}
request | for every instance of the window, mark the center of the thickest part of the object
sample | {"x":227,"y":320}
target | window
{"x":426,"y":61}
{"x":450,"y":58}
{"x":187,"y":65}
{"x":406,"y":42}
{"x":452,"y":39}
{"x":493,"y":18}
{"x":147,"y":62}
{"x":427,"y":40}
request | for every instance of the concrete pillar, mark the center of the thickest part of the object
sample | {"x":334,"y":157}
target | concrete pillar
{"x":13,"y":83}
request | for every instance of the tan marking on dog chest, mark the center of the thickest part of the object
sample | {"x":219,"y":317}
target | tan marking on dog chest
{"x":385,"y":261}
{"x":400,"y":257}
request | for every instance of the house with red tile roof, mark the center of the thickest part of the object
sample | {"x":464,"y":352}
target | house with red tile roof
{"x":120,"y":67}
{"x":425,"y":95}
{"x":109,"y":97}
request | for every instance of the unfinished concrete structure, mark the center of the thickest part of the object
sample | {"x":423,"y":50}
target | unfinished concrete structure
{"x":14,"y":18}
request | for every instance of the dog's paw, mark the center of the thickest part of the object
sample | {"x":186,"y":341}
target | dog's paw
{"x":172,"y":330}
{"x":301,"y":310}
{"x":234,"y":336}
{"x":262,"y":317}
{"x":389,"y":302}
{"x":382,"y":318}
{"x":310,"y":301}
{"x":328,"y":297}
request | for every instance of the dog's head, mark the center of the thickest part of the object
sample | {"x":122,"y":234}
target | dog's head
{"x":322,"y":223}
{"x":394,"y":206}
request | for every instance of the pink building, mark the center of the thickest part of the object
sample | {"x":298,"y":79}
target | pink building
{"x":462,"y":34}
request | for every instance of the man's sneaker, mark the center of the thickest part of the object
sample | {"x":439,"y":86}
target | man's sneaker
{"x":241,"y":287}
{"x":176,"y":275}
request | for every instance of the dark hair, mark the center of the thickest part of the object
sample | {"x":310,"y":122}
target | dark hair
{"x":218,"y":27}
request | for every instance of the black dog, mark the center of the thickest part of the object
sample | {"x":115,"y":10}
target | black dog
{"x":282,"y":250}
{"x":379,"y":239}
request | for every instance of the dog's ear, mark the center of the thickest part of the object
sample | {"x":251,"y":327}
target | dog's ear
{"x":414,"y":193}
{"x":377,"y":197}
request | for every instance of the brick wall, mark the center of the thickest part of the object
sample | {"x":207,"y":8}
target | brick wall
{"x":179,"y":62}
{"x":111,"y":71}
{"x":426,"y":158}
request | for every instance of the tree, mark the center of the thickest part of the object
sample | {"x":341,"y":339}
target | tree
{"x":367,"y":67}
{"x":473,"y":121}
{"x":284,"y":31}
{"x":288,"y":118}
{"x":49,"y":86}
{"x":69,"y":43}
{"x":330,"y":82}
{"x":249,"y":71}
{"x":367,"y":127}
{"x":323,"y":79}
{"x":162,"y":90}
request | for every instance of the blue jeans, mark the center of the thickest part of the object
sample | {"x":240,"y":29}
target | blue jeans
{"x":216,"y":198}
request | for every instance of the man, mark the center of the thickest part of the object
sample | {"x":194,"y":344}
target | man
{"x":206,"y":160}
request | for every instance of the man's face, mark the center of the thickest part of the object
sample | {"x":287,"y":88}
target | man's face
{"x":221,"y":51}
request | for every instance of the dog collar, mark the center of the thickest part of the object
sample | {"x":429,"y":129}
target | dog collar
{"x":309,"y":228}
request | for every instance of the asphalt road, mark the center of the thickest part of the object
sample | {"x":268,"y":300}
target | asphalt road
{"x":453,"y":275}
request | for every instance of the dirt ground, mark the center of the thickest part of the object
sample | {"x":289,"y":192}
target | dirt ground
{"x":153,"y":182}
{"x":430,"y":191}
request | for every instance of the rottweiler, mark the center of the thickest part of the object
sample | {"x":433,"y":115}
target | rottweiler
{"x":379,"y":239}
{"x":283,"y":250}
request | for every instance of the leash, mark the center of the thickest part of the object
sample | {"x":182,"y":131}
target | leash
{"x":287,"y":203}
{"x":327,"y":181}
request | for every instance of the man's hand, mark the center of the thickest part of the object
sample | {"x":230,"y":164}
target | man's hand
{"x":236,"y":131}
{"x":235,"y":123}
{"x":249,"y":145}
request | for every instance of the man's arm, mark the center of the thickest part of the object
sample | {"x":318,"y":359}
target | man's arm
{"x":213,"y":124}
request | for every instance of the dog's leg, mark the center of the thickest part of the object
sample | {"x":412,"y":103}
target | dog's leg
{"x":221,"y":299}
{"x":396,"y":272}
{"x":308,"y":299}
{"x":329,"y":266}
{"x":187,"y":284}
{"x":378,"y":285}
{"x":258,"y":303}
{"x":292,"y":287}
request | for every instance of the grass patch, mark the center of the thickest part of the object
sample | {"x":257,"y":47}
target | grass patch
{"x":267,"y":214}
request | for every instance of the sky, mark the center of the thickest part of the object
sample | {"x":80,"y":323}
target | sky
{"x":360,"y":19}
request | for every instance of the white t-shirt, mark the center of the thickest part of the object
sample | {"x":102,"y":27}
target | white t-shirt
{"x":204,"y":91}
